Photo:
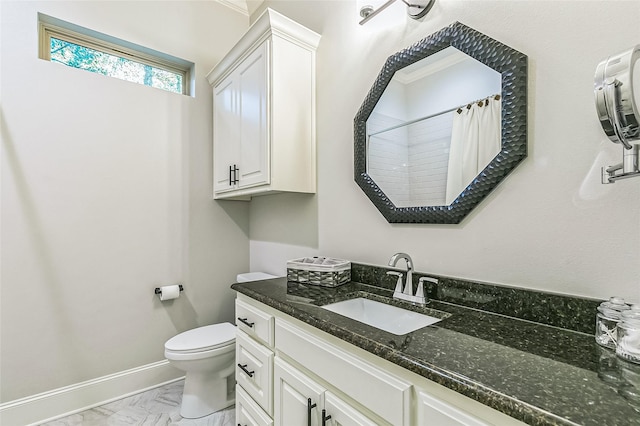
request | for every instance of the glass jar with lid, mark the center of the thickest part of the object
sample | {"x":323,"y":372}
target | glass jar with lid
{"x":628,"y":346}
{"x":607,"y":319}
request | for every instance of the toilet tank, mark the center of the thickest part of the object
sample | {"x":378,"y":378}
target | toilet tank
{"x":253,"y":276}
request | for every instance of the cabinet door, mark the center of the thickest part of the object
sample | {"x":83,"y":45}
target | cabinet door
{"x":248,"y":413}
{"x":226,"y":132}
{"x":254,"y":370}
{"x":253,"y":80}
{"x":435,"y":412}
{"x":298,"y":400}
{"x":344,"y":414}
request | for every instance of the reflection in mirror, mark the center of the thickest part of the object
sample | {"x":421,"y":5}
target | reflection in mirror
{"x":434,"y":129}
{"x":449,"y":193}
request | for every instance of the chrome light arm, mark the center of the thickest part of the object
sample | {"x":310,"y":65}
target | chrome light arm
{"x":416,"y":9}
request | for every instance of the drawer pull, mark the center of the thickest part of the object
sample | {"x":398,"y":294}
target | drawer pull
{"x":246,"y":322}
{"x":244,"y":368}
{"x":309,"y":407}
{"x":325,"y":417}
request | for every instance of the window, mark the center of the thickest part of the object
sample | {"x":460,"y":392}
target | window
{"x":85,"y":49}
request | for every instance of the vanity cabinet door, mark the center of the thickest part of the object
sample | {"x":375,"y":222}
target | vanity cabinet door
{"x":435,"y":412}
{"x":298,"y":400}
{"x":344,"y":414}
{"x":384,"y":394}
{"x":254,"y":370}
{"x":248,"y":413}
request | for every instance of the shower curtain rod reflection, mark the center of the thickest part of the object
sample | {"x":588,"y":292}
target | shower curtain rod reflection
{"x":458,"y":109}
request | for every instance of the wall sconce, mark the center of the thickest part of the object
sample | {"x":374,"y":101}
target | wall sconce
{"x":617,"y":105}
{"x":415,"y":9}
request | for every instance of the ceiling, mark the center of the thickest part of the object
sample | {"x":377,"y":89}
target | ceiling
{"x":246,"y":7}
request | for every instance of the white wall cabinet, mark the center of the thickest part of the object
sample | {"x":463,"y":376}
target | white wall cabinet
{"x":313,"y":370}
{"x":264,"y":111}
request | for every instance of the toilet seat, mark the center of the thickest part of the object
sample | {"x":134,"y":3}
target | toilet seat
{"x":202,"y":339}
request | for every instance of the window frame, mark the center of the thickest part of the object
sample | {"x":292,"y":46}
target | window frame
{"x":49,"y":27}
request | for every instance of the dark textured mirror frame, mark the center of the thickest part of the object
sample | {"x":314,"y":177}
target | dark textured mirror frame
{"x":511,"y":64}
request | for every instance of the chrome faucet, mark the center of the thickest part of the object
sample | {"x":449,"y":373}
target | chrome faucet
{"x":407,"y":292}
{"x":408,"y":287}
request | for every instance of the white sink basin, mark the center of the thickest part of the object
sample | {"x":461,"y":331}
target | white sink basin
{"x":380,"y":315}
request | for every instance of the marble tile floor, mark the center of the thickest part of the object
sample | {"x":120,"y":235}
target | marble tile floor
{"x":156,"y":407}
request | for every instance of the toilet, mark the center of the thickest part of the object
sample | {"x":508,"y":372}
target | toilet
{"x":207,"y":356}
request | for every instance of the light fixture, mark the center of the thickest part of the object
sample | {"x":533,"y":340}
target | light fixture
{"x":618,"y":108}
{"x":416,"y":9}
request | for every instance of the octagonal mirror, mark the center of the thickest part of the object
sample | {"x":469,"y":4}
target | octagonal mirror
{"x":443,"y":124}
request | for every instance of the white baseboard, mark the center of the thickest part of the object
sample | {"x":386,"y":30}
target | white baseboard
{"x":68,"y":400}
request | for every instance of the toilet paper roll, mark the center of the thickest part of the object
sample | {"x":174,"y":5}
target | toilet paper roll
{"x":169,"y":292}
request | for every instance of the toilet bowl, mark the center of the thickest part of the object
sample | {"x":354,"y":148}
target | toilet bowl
{"x":206,"y":355}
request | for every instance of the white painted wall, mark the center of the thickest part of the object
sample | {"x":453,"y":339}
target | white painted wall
{"x":550,"y":225}
{"x":106,"y":193}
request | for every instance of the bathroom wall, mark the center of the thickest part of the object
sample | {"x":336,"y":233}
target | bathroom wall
{"x":550,"y":225}
{"x":106,"y":193}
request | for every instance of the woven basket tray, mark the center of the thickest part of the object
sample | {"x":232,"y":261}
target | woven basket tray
{"x":322,"y":271}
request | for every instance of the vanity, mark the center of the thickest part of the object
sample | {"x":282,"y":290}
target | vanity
{"x":473,"y":367}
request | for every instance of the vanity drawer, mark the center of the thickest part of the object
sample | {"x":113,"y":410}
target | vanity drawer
{"x":254,"y":370}
{"x":248,"y":412}
{"x":383,"y":394}
{"x":254,"y":322}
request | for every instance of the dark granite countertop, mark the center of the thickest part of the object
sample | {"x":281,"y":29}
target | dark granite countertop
{"x":536,"y":373}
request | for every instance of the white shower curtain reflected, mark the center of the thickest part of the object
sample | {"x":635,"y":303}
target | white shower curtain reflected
{"x":475,"y":141}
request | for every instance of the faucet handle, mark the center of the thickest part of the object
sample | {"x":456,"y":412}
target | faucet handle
{"x":398,"y":288}
{"x":420,"y":291}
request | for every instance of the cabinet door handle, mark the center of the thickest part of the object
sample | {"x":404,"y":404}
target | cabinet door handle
{"x":244,"y":368}
{"x":325,"y":417}
{"x":235,"y":174}
{"x":246,"y":322}
{"x":230,"y":179}
{"x":309,"y":407}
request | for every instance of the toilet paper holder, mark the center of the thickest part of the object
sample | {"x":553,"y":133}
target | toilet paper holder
{"x":159,"y":291}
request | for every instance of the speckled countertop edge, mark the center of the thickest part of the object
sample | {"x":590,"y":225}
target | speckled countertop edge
{"x":491,"y":397}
